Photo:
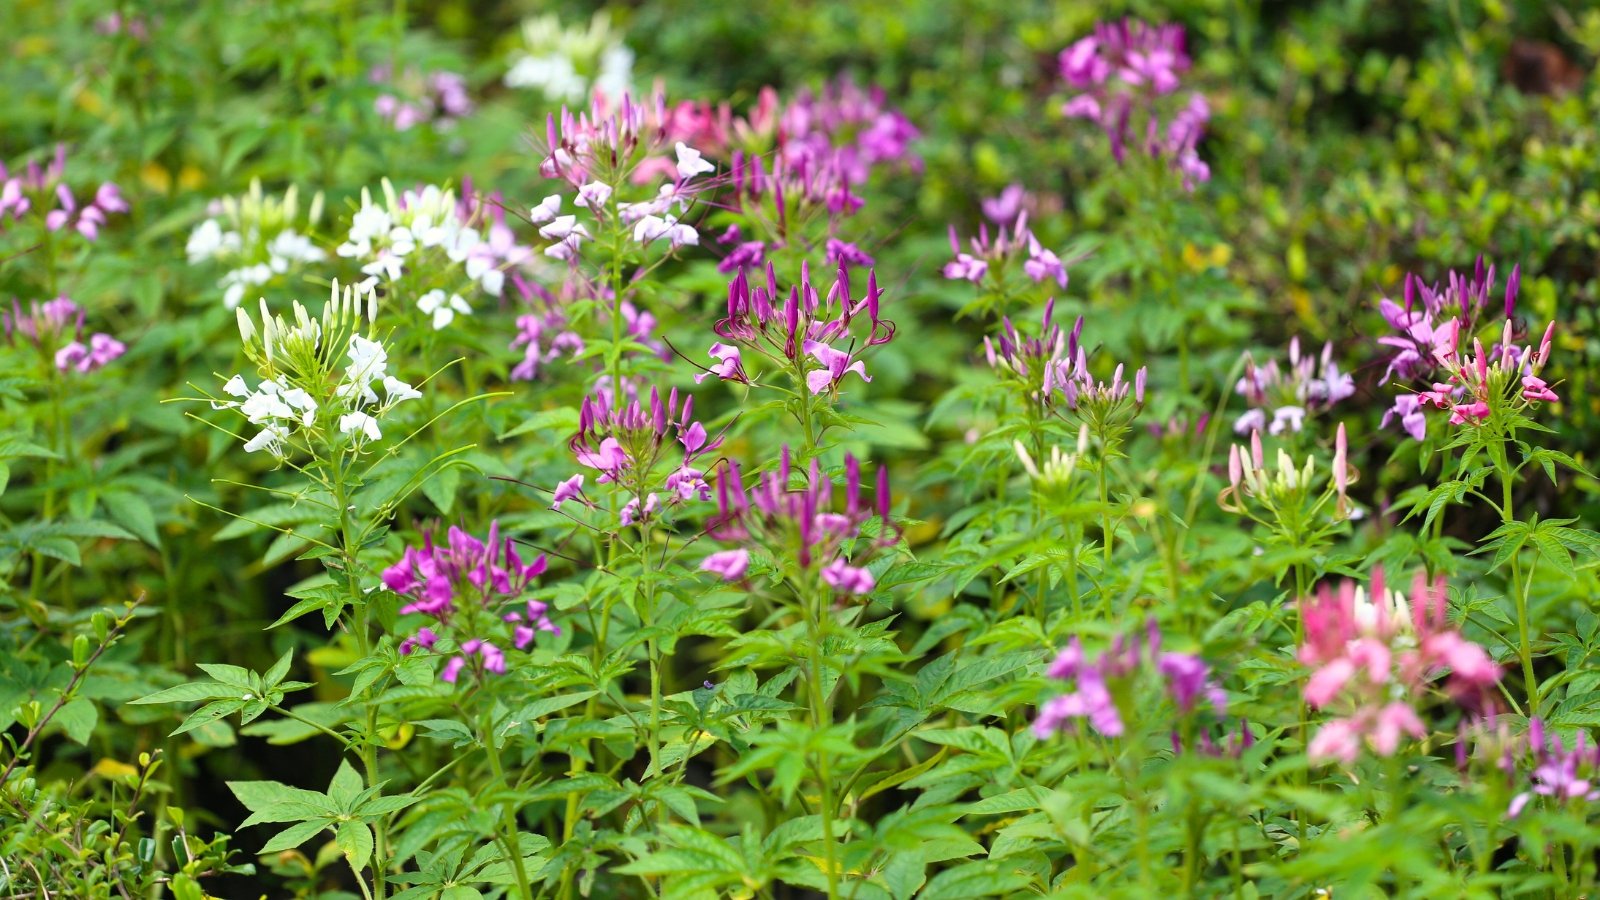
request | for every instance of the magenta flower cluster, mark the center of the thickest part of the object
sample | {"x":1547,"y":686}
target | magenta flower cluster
{"x":43,"y":191}
{"x":1280,"y":398}
{"x":1562,"y":773}
{"x":55,"y":327}
{"x":623,"y":442}
{"x":995,"y":252}
{"x":1375,"y":657}
{"x":1121,"y":74}
{"x":1041,"y":364}
{"x":811,"y":153}
{"x":465,"y":585}
{"x":1428,"y":325}
{"x":1186,"y":680}
{"x":804,"y":332}
{"x":806,"y":525}
{"x":419,"y":98}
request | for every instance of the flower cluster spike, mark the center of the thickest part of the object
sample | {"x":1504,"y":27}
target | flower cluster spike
{"x":806,"y":525}
{"x":42,"y":191}
{"x":994,"y":253}
{"x":623,"y":440}
{"x":1186,"y":679}
{"x":55,"y":329}
{"x":1307,"y":384}
{"x":1252,"y":483}
{"x":1121,"y":74}
{"x":1039,"y":364}
{"x":1565,"y":774}
{"x":802,"y":329}
{"x":465,"y":585}
{"x":1374,"y":656}
{"x":1432,"y":322}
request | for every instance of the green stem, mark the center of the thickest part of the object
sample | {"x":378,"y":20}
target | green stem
{"x":1520,"y":596}
{"x":350,"y":548}
{"x":653,"y":651}
{"x":510,"y":837}
{"x":820,"y":722}
{"x":1302,"y":585}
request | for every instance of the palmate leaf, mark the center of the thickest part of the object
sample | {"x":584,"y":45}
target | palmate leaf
{"x":346,"y":808}
{"x":236,"y":690}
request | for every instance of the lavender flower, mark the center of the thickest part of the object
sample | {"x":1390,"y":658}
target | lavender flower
{"x":1428,"y":324}
{"x":995,"y":253}
{"x":43,"y":192}
{"x":626,"y":441}
{"x":55,"y":329}
{"x":415,"y":97}
{"x":1308,"y":385}
{"x":1564,"y":774}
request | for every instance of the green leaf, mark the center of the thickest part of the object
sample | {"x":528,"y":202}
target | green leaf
{"x":441,"y":488}
{"x":355,"y":839}
{"x":540,"y":708}
{"x":346,"y":785}
{"x":77,"y":718}
{"x":294,"y":836}
{"x":209,"y":713}
{"x":301,"y":608}
{"x":133,"y":513}
{"x":187,"y":693}
{"x":236,"y":676}
{"x":279,"y":669}
{"x":383,"y":806}
{"x":975,"y":879}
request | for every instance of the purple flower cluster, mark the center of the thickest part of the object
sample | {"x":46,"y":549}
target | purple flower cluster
{"x":996,"y":252}
{"x":805,"y":525}
{"x":43,"y":190}
{"x":612,"y":144}
{"x":1090,"y":396}
{"x":465,"y":585}
{"x":812,"y":153}
{"x":46,"y":326}
{"x":1121,"y":73}
{"x":544,"y":334}
{"x":625,"y":441}
{"x":1564,"y":774}
{"x":1308,"y":384}
{"x":803,"y":331}
{"x":1040,"y":363}
{"x":1185,"y":678}
{"x":1426,"y":326}
{"x":418,"y":98}
{"x":1054,"y":368}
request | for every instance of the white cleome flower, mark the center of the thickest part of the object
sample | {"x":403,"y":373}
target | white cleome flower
{"x":689,"y":162}
{"x":443,"y":310}
{"x":353,"y":422}
{"x":270,"y":439}
{"x":398,"y":391}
